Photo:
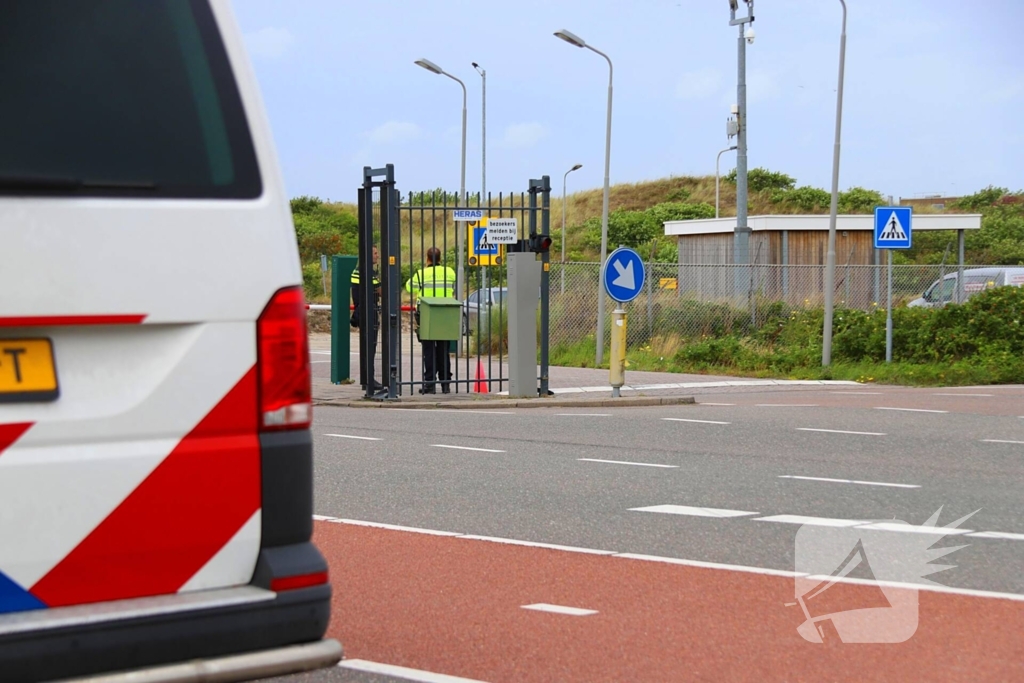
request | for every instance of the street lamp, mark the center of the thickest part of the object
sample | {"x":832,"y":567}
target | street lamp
{"x":573,"y":39}
{"x":830,"y":260}
{"x":564,"y":177}
{"x":460,"y":247}
{"x":718,"y":159}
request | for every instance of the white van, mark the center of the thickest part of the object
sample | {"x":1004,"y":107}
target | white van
{"x":976,"y":280}
{"x":155,"y":447}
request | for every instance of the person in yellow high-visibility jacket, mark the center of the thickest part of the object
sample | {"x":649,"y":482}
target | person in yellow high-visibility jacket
{"x":434,"y":280}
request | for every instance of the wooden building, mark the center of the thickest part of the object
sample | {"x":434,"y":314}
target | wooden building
{"x":788,"y":253}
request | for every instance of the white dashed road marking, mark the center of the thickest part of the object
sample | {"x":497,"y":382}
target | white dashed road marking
{"x":849,"y":481}
{"x":694,"y":511}
{"x":998,"y":534}
{"x":704,"y":422}
{"x":559,"y":609}
{"x":977,"y":395}
{"x":466,"y":448}
{"x":912,"y":410}
{"x":623,"y":462}
{"x":787,"y":405}
{"x":912,"y":529}
{"x":812,"y":521}
{"x":838,"y":431}
{"x":583,"y":414}
{"x":351,"y":436}
{"x":1002,"y":441}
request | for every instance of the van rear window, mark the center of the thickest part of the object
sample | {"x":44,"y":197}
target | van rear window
{"x":120,"y":98}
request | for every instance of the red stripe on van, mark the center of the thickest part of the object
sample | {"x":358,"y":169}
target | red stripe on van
{"x":66,"y":320}
{"x":178,"y":517}
{"x":9,"y":433}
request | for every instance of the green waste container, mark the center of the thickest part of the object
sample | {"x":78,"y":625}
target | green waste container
{"x":439,"y":318}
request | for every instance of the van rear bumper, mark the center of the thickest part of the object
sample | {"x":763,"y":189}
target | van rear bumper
{"x":48,"y":644}
{"x":137,"y":633}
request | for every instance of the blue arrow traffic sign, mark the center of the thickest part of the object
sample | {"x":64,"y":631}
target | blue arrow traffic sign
{"x":892,"y":227}
{"x":623,"y":275}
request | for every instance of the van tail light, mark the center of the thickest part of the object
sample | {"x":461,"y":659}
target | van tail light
{"x":282,"y":362}
{"x":291,"y":583}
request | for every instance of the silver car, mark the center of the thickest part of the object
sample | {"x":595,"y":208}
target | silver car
{"x":976,"y":280}
{"x":478,"y":305}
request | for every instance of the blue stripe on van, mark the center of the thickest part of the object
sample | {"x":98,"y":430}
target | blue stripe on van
{"x":14,"y":598}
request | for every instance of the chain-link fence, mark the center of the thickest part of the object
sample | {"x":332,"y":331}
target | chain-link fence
{"x":693,"y":301}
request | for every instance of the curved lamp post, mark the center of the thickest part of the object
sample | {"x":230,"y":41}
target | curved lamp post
{"x":575,"y":40}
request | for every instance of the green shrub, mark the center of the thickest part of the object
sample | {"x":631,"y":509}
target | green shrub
{"x":761,"y":179}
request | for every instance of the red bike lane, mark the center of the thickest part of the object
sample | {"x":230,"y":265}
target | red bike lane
{"x":455,"y":606}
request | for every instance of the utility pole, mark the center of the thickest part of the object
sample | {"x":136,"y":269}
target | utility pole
{"x":741,"y":234}
{"x":830,"y":260}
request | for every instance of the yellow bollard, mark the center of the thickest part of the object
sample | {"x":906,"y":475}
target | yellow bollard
{"x":617,"y":361}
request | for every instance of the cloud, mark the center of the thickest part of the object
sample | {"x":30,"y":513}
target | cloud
{"x":393,"y":133}
{"x":698,"y":85}
{"x":522,"y":135}
{"x":269,"y":42}
{"x":1005,"y":94}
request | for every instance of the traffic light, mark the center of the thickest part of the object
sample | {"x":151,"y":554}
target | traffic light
{"x":539,"y":244}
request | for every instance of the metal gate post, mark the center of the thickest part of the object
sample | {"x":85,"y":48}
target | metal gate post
{"x":544,"y":187}
{"x":365,"y":209}
{"x":341,"y":293}
{"x":388,"y":279}
{"x":389,"y":286}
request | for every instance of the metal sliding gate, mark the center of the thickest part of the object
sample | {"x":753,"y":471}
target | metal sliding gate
{"x":404,"y":229}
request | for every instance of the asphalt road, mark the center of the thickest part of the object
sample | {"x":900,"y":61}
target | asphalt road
{"x":731,"y":481}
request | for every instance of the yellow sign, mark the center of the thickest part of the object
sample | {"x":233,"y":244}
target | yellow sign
{"x":667,"y":283}
{"x":482,"y":252}
{"x":27,"y":371}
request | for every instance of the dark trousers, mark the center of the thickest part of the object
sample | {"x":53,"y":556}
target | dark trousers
{"x":371,"y":347}
{"x":437,"y":365}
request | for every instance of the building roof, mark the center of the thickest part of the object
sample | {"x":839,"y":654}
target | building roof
{"x":780,"y":222}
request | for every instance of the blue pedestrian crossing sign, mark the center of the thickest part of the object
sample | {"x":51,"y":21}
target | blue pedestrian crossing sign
{"x":623,"y":275}
{"x":483,"y":247}
{"x":892,"y":227}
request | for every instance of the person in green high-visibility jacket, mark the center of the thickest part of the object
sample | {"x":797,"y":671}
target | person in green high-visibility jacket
{"x":434,"y":280}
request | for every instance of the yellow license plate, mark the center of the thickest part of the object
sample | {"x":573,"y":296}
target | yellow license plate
{"x":27,"y":370}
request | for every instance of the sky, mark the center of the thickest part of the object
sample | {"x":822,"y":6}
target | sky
{"x":933,"y":95}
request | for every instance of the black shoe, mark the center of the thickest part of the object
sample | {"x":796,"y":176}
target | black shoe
{"x":431,"y":390}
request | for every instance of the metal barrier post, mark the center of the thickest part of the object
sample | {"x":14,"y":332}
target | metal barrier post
{"x":342,"y":268}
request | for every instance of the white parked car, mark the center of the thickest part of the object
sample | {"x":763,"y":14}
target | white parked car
{"x":941,"y":292}
{"x":478,"y":306}
{"x":155,"y":409}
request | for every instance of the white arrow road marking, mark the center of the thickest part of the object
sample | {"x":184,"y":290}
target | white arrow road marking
{"x":625,"y":277}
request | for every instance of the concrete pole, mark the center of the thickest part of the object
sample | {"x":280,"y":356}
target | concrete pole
{"x":483,"y":155}
{"x":830,"y":262}
{"x":741,"y":235}
{"x":604,"y":211}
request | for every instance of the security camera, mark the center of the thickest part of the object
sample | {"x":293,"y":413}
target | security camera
{"x":749,"y":35}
